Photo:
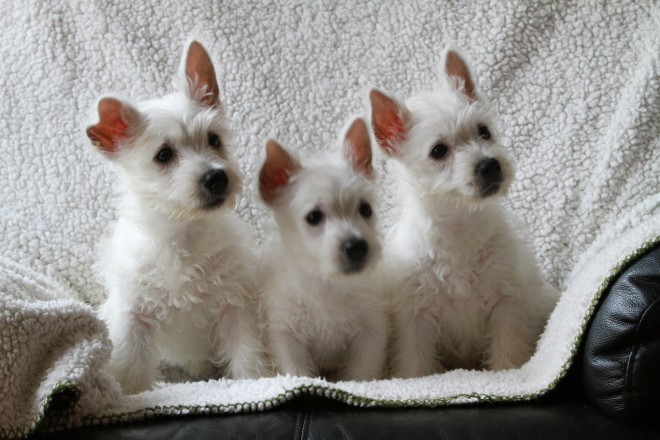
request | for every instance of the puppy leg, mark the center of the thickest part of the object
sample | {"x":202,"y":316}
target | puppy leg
{"x":291,"y":354}
{"x":134,"y":354}
{"x":414,"y":347}
{"x":239,"y":344}
{"x":512,"y":341}
{"x":197,"y":369}
{"x":367,"y":352}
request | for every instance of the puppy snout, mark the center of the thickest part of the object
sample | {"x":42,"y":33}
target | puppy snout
{"x":490,"y":170}
{"x":489,"y":176}
{"x":215,"y":182}
{"x":355,"y":250}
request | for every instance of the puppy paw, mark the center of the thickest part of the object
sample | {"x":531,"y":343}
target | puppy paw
{"x":134,"y":385}
{"x":199,"y":369}
{"x":415,"y":368}
{"x":499,"y":360}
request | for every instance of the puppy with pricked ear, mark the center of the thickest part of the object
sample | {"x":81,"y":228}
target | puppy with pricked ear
{"x":467,"y":293}
{"x":178,"y":263}
{"x":321,"y":298}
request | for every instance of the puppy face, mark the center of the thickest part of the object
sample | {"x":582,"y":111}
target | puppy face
{"x":325,"y":210}
{"x":180,"y":162}
{"x":172,"y":152}
{"x":328,"y":217}
{"x":445,"y":140}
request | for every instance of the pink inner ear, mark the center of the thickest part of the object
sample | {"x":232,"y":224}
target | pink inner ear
{"x":392,"y":129}
{"x":278,"y":178}
{"x":455,"y":66}
{"x":388,"y":122}
{"x":276,"y":171}
{"x":112,"y":127}
{"x":358,"y":147}
{"x":201,"y":74}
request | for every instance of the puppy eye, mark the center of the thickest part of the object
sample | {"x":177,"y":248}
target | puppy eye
{"x":214,"y":141}
{"x":484,"y":132}
{"x":439,"y":151}
{"x":165,"y":154}
{"x":314,"y":218}
{"x":365,"y":210}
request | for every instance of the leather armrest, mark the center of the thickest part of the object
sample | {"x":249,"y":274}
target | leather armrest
{"x":621,"y":357}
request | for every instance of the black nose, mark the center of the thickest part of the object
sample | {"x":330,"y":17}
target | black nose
{"x":489,"y":170}
{"x":215,"y":182}
{"x":355,"y":250}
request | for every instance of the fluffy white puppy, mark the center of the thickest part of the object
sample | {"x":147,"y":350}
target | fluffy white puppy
{"x":178,"y":264}
{"x":468,"y":291}
{"x":322,"y":294}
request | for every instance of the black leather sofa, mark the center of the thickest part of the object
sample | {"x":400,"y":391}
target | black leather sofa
{"x":612,"y":391}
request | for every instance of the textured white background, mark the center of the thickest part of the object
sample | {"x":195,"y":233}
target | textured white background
{"x":576,"y":84}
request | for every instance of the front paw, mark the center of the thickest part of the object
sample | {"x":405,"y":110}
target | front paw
{"x":297,"y":371}
{"x":253,"y":368}
{"x":499,"y":360}
{"x":415,"y":368}
{"x":133,"y":382}
{"x":199,"y":369}
{"x":247,"y":361}
{"x":289,"y":367}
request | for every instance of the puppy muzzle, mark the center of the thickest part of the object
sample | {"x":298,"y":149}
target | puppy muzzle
{"x":355,"y":255}
{"x":489,"y":177}
{"x":214,"y":184}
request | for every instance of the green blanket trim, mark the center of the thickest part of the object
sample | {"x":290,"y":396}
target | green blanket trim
{"x":329,"y":392}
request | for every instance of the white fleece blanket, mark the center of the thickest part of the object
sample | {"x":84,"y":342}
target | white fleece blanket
{"x":576,"y":85}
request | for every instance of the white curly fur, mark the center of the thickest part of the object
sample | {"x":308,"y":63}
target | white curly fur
{"x":466,"y":290}
{"x":179,"y":272}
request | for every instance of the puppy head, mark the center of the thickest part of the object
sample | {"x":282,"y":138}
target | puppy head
{"x":445,"y":140}
{"x":173,"y":152}
{"x":325,"y":210}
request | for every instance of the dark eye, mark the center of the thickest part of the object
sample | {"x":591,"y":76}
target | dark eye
{"x":165,"y":154}
{"x":365,"y":210}
{"x":214,"y":141}
{"x":484,"y":132}
{"x":314,"y":218}
{"x":439,"y":151}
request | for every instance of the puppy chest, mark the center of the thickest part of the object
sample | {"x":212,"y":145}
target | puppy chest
{"x":457,"y":302}
{"x":330,"y":339}
{"x":192,"y":284}
{"x":460,"y":283}
{"x":185,"y":335}
{"x":319,"y":323}
{"x":325,"y":326}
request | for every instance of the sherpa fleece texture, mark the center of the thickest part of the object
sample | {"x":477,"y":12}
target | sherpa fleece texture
{"x":576,"y":85}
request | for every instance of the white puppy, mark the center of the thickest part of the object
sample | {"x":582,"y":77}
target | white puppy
{"x":178,"y":265}
{"x":322,"y":294}
{"x":469,"y":293}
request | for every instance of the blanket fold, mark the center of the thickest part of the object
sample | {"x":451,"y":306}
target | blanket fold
{"x":53,"y":350}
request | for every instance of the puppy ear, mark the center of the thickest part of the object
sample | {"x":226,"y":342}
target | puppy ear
{"x":389,"y":120}
{"x":454,"y":66}
{"x":202,"y":84}
{"x":357,"y":148}
{"x":276,"y":170}
{"x":116,"y":119}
